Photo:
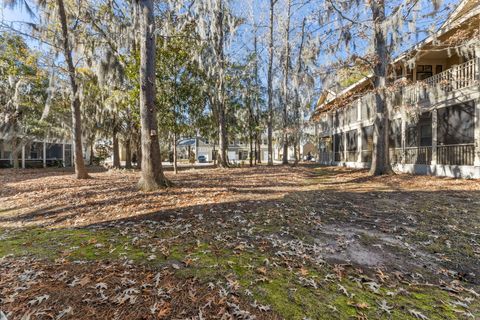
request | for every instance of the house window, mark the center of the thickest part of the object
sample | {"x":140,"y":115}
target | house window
{"x":424,"y":72}
{"x":352,"y":140}
{"x":420,"y":134}
{"x":338,"y":146}
{"x":367,"y":138}
{"x":438,"y":69}
{"x":367,"y":143}
{"x":456,"y":124}
{"x":243,"y":155}
{"x":426,"y":135}
{"x":33,"y":151}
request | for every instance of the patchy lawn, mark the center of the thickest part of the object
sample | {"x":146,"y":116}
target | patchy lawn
{"x":265,"y":243}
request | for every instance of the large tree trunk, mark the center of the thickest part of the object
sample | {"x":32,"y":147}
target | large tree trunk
{"x":286,"y":68}
{"x":139,"y":153}
{"x":295,"y":152}
{"x":128,"y":153}
{"x":92,"y":142}
{"x":116,"y":148}
{"x":255,"y":141}
{"x":270,"y":88}
{"x":214,"y":154}
{"x":15,"y":153}
{"x":220,"y":94}
{"x":380,"y":157}
{"x":298,"y":121}
{"x":258,"y":136}
{"x":152,"y":174}
{"x":80,"y":170}
{"x":251,"y":148}
{"x":175,"y":165}
{"x":222,"y":140}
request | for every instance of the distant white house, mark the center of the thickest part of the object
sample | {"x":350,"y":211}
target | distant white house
{"x":237,"y":151}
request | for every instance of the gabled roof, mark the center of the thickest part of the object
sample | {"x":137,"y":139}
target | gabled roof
{"x":190,"y":142}
{"x":465,"y":10}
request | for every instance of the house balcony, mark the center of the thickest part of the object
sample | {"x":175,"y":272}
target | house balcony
{"x":456,"y":83}
{"x":442,"y":86}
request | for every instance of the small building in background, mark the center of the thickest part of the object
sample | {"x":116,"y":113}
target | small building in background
{"x":34,"y":153}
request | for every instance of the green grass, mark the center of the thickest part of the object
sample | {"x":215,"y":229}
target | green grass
{"x":73,"y":244}
{"x":270,"y":284}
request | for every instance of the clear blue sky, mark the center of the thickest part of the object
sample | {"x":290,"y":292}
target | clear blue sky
{"x":244,"y":39}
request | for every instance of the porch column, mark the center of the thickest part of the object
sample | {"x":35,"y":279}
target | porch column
{"x":63,"y":154}
{"x":476,"y":133}
{"x":403,"y":130}
{"x":344,"y":134}
{"x":23,"y":156}
{"x":359,"y":144}
{"x":434,"y":136}
{"x":44,"y":154}
{"x":359,"y":110}
{"x":332,"y":138}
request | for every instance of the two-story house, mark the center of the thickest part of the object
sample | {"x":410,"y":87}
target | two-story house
{"x":433,"y":104}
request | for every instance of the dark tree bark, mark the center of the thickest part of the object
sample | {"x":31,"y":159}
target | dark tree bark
{"x":214,"y":154}
{"x":80,"y":170}
{"x":295,"y":152}
{"x":270,"y":87}
{"x":128,"y":153}
{"x":222,"y":140}
{"x":116,"y":148}
{"x":15,"y":153}
{"x":380,"y":157}
{"x":255,"y":148}
{"x":152,"y":176}
{"x":297,"y":104}
{"x":175,"y":166}
{"x":220,"y":94}
{"x":250,"y":139}
{"x":286,"y":68}
{"x":139,"y":153}
{"x":92,"y":142}
{"x":257,"y":135}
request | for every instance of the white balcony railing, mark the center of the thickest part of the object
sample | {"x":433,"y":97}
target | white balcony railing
{"x":458,"y":77}
{"x":430,"y":90}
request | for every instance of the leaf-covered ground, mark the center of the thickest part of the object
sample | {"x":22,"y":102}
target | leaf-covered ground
{"x":265,"y":243}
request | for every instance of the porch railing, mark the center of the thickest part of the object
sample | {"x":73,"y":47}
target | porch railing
{"x":418,"y":155}
{"x":338,"y":156}
{"x":395,"y":155}
{"x":457,"y":154}
{"x":458,"y":77}
{"x":351,"y":156}
{"x":32,"y":163}
{"x":324,"y":157}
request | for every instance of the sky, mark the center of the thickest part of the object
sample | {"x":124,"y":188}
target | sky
{"x":15,"y":14}
{"x":254,"y":10}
